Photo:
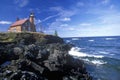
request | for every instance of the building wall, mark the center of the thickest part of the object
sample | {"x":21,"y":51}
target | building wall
{"x":15,"y":29}
{"x":26,"y":26}
{"x":33,"y":29}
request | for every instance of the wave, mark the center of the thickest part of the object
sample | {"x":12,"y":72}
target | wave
{"x":109,"y":38}
{"x":95,"y":62}
{"x":91,"y":40}
{"x":104,"y":46}
{"x":111,"y":54}
{"x":67,"y":41}
{"x":75,"y":38}
{"x":103,"y":52}
{"x":75,"y":51}
{"x":98,"y":62}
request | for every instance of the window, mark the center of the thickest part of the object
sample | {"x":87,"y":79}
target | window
{"x":14,"y":29}
{"x":24,"y":28}
{"x":29,"y":29}
{"x":26,"y":24}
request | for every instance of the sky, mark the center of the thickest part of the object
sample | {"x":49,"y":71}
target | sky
{"x":70,"y":18}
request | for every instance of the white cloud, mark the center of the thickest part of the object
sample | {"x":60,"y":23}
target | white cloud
{"x":110,"y":19}
{"x":55,"y":25}
{"x":64,"y":25}
{"x":21,"y":3}
{"x":66,"y":19}
{"x":38,"y":10}
{"x":5,"y":22}
{"x":62,"y":17}
{"x":112,"y":6}
{"x":79,"y":4}
{"x":37,"y":21}
{"x":71,"y":29}
{"x":49,"y":17}
{"x":63,"y":12}
{"x":101,"y":19}
{"x":105,"y":1}
{"x":56,"y":8}
{"x":85,"y":24}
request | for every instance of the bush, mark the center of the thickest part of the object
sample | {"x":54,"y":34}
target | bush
{"x":41,"y":41}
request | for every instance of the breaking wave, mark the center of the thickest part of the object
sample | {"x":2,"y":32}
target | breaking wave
{"x":75,"y":51}
{"x":96,"y":62}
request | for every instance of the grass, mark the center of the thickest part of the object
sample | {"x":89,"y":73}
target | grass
{"x":28,"y":37}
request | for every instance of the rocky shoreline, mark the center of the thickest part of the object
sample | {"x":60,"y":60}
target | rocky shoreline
{"x":43,"y":59}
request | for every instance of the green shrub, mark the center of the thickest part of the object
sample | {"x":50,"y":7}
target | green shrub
{"x":41,"y":41}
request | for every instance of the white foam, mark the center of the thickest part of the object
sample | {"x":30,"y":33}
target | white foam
{"x":96,"y":56}
{"x":67,"y":41}
{"x":91,"y":40}
{"x":109,"y":38}
{"x":75,"y":38}
{"x":103,"y":52}
{"x":95,"y":62}
{"x":75,"y":51}
{"x":87,"y":60}
{"x":98,"y":62}
{"x":112,"y":54}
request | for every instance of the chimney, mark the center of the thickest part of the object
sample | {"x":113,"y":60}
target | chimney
{"x":17,"y":19}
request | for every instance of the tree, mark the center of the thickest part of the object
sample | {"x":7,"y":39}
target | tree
{"x":56,"y":34}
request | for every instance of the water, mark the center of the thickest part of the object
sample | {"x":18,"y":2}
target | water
{"x":100,"y":54}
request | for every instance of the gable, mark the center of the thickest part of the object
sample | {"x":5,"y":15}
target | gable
{"x":27,"y":23}
{"x":20,"y":22}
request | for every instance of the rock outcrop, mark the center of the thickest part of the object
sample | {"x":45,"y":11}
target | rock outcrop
{"x":39,"y":58}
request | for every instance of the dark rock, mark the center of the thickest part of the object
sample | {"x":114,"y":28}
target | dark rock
{"x":43,"y":54}
{"x":24,"y":75}
{"x":53,"y":39}
{"x":17,"y":50}
{"x":49,"y":61}
{"x":31,"y":52}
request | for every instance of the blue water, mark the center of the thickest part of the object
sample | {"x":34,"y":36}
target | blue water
{"x":100,"y":54}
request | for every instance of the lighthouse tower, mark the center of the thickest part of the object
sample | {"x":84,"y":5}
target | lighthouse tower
{"x":32,"y":25}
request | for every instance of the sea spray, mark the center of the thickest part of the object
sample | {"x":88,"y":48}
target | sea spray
{"x":75,"y":51}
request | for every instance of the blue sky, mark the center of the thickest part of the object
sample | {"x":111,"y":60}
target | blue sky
{"x":71,"y":18}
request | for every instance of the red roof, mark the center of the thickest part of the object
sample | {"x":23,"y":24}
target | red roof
{"x":20,"y":22}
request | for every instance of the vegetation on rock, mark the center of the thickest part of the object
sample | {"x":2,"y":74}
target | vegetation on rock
{"x":29,"y":38}
{"x":56,"y":33}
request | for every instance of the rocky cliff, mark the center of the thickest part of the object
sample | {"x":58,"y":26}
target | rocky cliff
{"x":35,"y":56}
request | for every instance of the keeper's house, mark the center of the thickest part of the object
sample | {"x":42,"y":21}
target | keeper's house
{"x":23,"y":25}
